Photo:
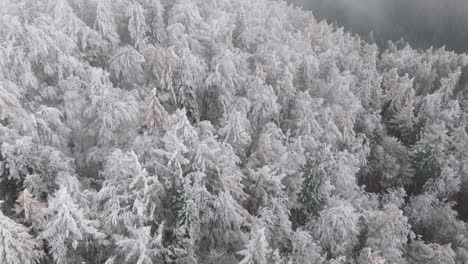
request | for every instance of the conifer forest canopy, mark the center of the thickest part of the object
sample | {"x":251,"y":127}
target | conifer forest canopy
{"x":224,"y":131}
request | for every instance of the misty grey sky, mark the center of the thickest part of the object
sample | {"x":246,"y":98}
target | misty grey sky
{"x":423,"y":23}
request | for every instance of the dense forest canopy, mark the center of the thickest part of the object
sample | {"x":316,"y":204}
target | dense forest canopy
{"x":224,"y":131}
{"x":424,"y":23}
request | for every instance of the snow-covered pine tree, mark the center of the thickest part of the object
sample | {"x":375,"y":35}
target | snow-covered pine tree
{"x":257,"y":250}
{"x":17,"y":245}
{"x":30,"y":210}
{"x":105,"y":23}
{"x":140,"y":248}
{"x":68,"y":229}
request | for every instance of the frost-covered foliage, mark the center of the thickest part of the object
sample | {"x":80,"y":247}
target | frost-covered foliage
{"x":17,"y":245}
{"x":224,"y":131}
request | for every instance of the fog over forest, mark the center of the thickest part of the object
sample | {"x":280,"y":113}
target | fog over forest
{"x":424,"y":23}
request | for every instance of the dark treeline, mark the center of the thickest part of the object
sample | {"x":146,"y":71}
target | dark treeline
{"x":424,"y":23}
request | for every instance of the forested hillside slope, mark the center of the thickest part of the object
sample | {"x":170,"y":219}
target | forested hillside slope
{"x":224,"y":131}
